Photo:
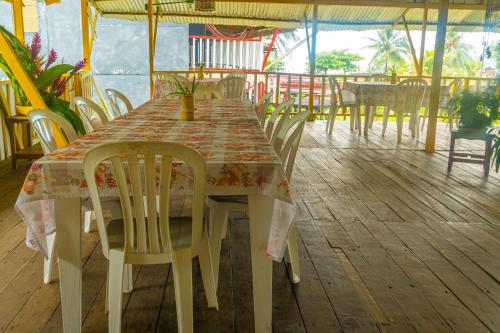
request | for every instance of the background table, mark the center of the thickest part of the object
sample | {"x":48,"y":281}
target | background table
{"x":240,"y":161}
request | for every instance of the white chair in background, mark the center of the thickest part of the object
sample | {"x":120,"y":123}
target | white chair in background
{"x":231,"y":87}
{"x":115,"y":99}
{"x":91,"y":114}
{"x":407,"y":102}
{"x":43,"y":122}
{"x":147,"y":234}
{"x":262,"y":106}
{"x":287,"y":140}
{"x":342,"y":99}
{"x":454,"y":88}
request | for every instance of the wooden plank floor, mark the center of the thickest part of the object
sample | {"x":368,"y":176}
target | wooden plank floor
{"x":388,"y":243}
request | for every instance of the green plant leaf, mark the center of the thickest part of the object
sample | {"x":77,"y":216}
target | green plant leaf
{"x":50,"y":75}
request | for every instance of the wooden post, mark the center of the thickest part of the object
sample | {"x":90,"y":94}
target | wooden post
{"x":410,"y":41}
{"x":151,"y":46}
{"x":312,"y":61}
{"x":436,"y":75}
{"x":422,"y":43}
{"x":85,"y":33}
{"x":17,"y":8}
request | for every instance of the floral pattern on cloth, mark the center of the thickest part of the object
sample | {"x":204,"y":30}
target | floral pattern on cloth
{"x":239,"y":158}
{"x":385,"y":93}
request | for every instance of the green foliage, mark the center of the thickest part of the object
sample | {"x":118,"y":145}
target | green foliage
{"x":47,"y":77}
{"x":391,"y":51}
{"x":183,"y":90}
{"x":336,"y":60}
{"x":277,"y":66}
{"x":476,"y":110}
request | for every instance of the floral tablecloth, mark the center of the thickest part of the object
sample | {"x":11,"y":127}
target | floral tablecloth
{"x":240,"y":161}
{"x":164,"y":87}
{"x":385,"y":93}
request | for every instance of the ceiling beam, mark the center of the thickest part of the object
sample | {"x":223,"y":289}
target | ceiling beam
{"x":293,"y":21}
{"x":361,"y":3}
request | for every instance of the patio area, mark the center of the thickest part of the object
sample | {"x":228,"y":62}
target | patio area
{"x":388,"y":242}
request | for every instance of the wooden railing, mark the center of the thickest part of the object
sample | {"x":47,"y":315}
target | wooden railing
{"x":286,"y":85}
{"x":7,"y":108}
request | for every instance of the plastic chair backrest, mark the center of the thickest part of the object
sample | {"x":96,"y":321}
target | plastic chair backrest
{"x":115,"y":98}
{"x":284,"y":106}
{"x":145,"y":203}
{"x":42,"y":121}
{"x":411,"y":100}
{"x":89,"y":113}
{"x":231,"y":87}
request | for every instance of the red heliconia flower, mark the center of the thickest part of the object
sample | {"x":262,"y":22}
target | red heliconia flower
{"x":51,"y":58}
{"x":36,"y":46}
{"x":59,"y":86}
{"x":79,"y":66}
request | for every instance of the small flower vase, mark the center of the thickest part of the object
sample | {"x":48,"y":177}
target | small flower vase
{"x":201,"y":75}
{"x":187,"y":110}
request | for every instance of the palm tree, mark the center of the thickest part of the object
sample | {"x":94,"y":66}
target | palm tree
{"x":390,"y":49}
{"x":458,"y":52}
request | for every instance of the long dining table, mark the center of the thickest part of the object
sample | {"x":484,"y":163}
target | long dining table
{"x":240,"y":161}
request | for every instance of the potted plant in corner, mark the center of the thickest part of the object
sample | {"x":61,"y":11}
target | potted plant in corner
{"x":49,"y":77}
{"x":186,"y":94}
{"x":475,"y":113}
{"x":495,"y":149}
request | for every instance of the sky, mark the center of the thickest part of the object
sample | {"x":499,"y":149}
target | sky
{"x":355,"y":41}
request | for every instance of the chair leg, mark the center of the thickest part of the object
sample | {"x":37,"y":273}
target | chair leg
{"x":385,"y":120}
{"x":487,"y":156}
{"x":207,"y":273}
{"x":452,"y":151}
{"x":357,"y":111}
{"x":373,"y":113}
{"x":368,"y":110}
{"x":351,"y":118}
{"x":115,"y":281}
{"x":49,"y":261}
{"x":183,"y":286}
{"x":218,"y":219}
{"x":293,"y":254}
{"x":399,"y":121}
{"x":88,"y":218}
{"x":450,"y":119}
{"x":331,"y":120}
{"x":128,"y":280}
{"x":426,"y":113}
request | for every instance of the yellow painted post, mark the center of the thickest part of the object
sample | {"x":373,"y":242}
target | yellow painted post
{"x":312,"y":61}
{"x":85,"y":33}
{"x":151,"y":46}
{"x":412,"y":48}
{"x":436,"y":75}
{"x":17,"y":8}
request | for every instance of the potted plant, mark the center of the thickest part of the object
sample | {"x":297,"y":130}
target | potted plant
{"x":187,"y":99}
{"x":201,"y":75}
{"x":475,"y":111}
{"x":49,"y":78}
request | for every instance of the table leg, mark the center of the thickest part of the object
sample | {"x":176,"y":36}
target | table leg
{"x":261,"y":212}
{"x":367,"y":118}
{"x":68,"y":226}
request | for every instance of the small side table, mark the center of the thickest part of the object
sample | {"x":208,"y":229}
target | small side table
{"x":471,"y":134}
{"x":29,"y":151}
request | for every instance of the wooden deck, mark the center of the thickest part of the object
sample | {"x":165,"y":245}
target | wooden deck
{"x":388,"y":243}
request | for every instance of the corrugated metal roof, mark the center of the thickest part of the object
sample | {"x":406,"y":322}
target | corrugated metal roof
{"x":291,"y":16}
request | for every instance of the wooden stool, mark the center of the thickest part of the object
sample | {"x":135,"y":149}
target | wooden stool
{"x":471,"y":134}
{"x":29,"y":151}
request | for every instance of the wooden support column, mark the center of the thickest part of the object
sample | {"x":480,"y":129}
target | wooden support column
{"x":151,"y":46}
{"x":422,"y":43}
{"x":17,"y":10}
{"x":412,"y":48}
{"x":436,"y":75}
{"x":312,"y":62}
{"x":85,"y":32}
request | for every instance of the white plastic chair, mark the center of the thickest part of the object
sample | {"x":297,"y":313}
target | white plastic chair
{"x":342,"y":99}
{"x":231,"y":87}
{"x":286,"y":144}
{"x":42,"y":121}
{"x":285,"y":106}
{"x":454,"y":88}
{"x":262,"y":106}
{"x":204,"y":93}
{"x":115,"y":99}
{"x":147,"y":234}
{"x":91,"y":114}
{"x":408,"y":103}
